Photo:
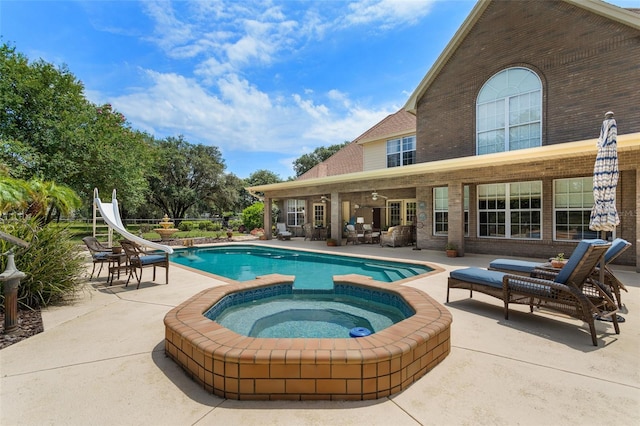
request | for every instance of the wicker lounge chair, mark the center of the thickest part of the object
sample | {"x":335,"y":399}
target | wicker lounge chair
{"x":138,"y":259}
{"x":371,"y":235}
{"x":570,"y":292}
{"x":99,"y":253}
{"x":527,"y":268}
{"x":282,"y":232}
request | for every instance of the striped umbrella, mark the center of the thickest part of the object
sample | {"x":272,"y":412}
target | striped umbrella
{"x":604,"y":215}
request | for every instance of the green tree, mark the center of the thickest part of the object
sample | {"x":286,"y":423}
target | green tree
{"x":186,"y":174}
{"x":320,"y":154}
{"x":259,"y":177}
{"x":49,"y":130}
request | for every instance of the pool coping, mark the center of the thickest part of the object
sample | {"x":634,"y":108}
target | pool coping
{"x":371,"y":367}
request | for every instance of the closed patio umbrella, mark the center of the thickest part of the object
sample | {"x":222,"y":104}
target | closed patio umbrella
{"x":604,"y":215}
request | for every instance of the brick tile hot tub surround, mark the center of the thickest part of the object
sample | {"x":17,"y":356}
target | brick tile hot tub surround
{"x":239,"y":367}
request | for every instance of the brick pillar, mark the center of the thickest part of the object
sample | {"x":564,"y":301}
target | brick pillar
{"x":456,"y":216}
{"x":637,"y":219}
{"x":267,"y":217}
{"x":336,"y":218}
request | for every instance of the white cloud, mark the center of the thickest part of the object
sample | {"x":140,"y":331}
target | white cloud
{"x":387,"y":13}
{"x":241,"y":117}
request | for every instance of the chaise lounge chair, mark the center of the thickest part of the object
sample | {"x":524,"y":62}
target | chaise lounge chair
{"x":527,"y":268}
{"x":138,"y":259}
{"x":281,"y":231}
{"x":567,"y":293}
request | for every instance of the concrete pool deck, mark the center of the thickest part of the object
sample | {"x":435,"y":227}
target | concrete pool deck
{"x":101,"y":361}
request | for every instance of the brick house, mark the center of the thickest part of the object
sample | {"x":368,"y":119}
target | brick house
{"x":500,"y":158}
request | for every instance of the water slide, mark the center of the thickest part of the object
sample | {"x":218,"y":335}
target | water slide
{"x":111,"y":215}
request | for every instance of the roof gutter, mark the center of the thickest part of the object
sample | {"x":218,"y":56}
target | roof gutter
{"x":564,"y":151}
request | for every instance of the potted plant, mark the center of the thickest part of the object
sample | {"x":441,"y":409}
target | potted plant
{"x":559,"y":261}
{"x":332,"y":242}
{"x":451,"y":249}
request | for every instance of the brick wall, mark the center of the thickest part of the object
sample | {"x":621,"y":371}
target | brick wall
{"x":587,"y":64}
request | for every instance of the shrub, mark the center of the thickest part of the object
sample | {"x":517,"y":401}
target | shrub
{"x":188,"y":225}
{"x":252,"y":216}
{"x":235,"y":224}
{"x":52,"y":262}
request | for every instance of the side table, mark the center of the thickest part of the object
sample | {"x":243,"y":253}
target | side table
{"x":116,"y":265}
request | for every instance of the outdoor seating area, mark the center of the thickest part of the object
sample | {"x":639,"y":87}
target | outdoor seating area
{"x":397,"y":236}
{"x":138,"y":259}
{"x":527,"y":268}
{"x":571,"y":290}
{"x":282,"y":233}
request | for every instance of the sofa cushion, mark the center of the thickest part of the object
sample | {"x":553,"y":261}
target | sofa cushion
{"x":514,"y":265}
{"x":479,"y":276}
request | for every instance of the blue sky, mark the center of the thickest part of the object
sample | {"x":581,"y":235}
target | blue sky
{"x":264,"y":81}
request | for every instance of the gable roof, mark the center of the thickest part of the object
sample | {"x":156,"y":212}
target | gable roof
{"x":399,"y":123}
{"x":624,"y":16}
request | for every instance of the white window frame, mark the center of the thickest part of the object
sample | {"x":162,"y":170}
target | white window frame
{"x":498,"y":112}
{"x":441,"y":210}
{"x":319,"y":214}
{"x":572,"y":203}
{"x":295,"y":212}
{"x":404,"y":148}
{"x":500,"y":204}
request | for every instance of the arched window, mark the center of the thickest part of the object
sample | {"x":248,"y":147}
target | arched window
{"x":509,"y":112}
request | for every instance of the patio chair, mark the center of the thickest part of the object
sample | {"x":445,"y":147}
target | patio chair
{"x":138,"y":259}
{"x":281,"y":231}
{"x":566,"y":293}
{"x":527,"y":268}
{"x":394,"y":237}
{"x":99,"y":253}
{"x":308,"y":231}
{"x":354,"y":235}
{"x":370,"y":235}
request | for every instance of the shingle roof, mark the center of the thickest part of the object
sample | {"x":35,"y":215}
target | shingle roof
{"x":394,"y":124}
{"x":348,"y":160}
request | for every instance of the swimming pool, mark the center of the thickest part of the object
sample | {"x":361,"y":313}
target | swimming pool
{"x":312,"y":270}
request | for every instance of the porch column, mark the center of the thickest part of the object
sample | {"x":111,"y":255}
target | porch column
{"x":637,"y":219}
{"x":267,"y":217}
{"x":456,"y":216}
{"x":336,"y":218}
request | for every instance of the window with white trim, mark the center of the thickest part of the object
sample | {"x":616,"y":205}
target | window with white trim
{"x":319,"y":217}
{"x":441,"y":210}
{"x":509,"y":112}
{"x":572,"y":203}
{"x":401,"y":151}
{"x":295,"y":212}
{"x":510,"y":210}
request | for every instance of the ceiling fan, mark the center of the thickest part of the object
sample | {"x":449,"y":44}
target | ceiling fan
{"x":324,"y":199}
{"x":375,"y":195}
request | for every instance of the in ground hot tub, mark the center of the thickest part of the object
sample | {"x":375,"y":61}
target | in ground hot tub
{"x":237,"y":366}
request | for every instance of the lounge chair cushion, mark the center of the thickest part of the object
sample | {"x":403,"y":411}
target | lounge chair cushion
{"x":514,"y":265}
{"x":479,"y":276}
{"x":575,"y":258}
{"x":616,"y":247}
{"x":152,"y":258}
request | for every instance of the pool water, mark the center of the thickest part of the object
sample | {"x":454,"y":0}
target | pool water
{"x":307,"y":315}
{"x":311,"y":270}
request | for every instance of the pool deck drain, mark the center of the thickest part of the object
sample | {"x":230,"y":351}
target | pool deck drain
{"x":370,"y":367}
